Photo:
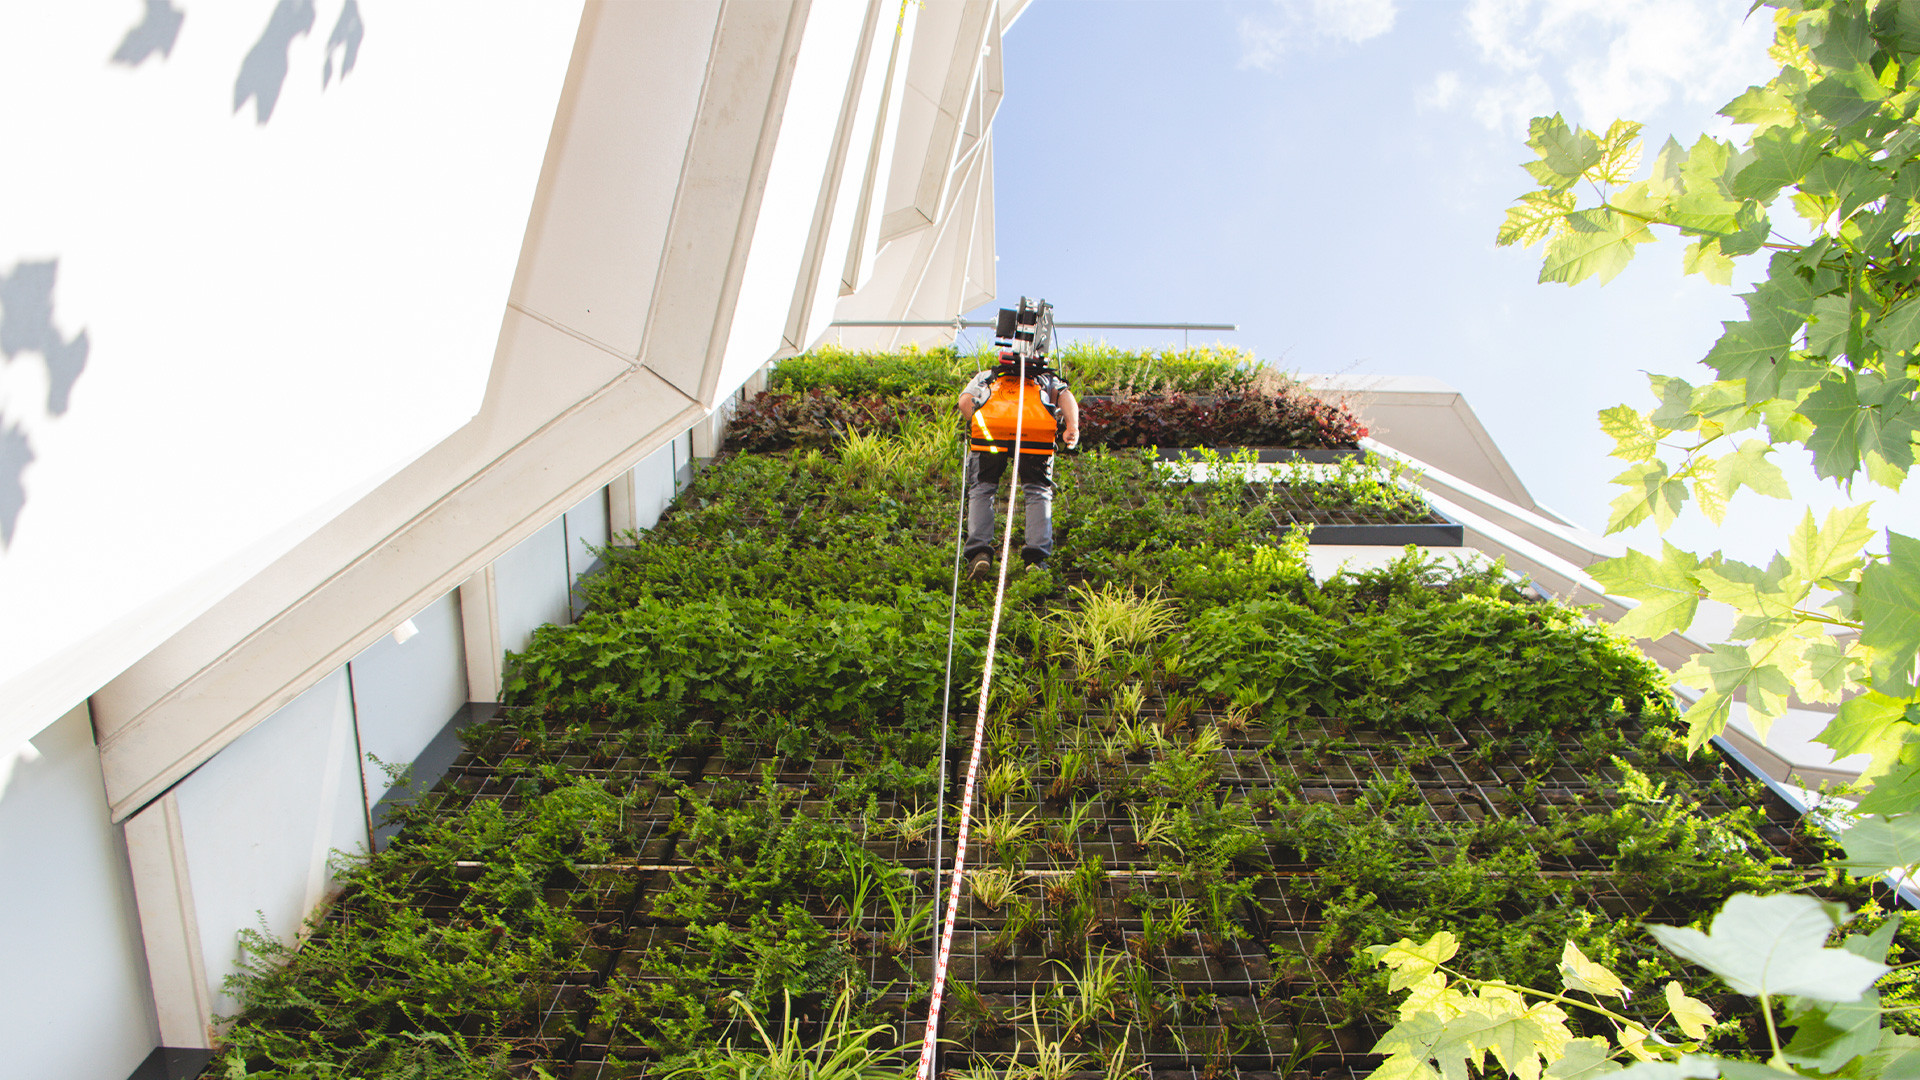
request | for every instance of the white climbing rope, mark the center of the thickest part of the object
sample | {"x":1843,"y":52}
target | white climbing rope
{"x":944,"y":952}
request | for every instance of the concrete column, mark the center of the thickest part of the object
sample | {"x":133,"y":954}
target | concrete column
{"x":480,"y":633}
{"x":623,"y":515}
{"x":163,"y":890}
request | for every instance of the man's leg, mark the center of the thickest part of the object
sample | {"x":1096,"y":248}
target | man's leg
{"x":983,"y":476}
{"x":1036,"y":484}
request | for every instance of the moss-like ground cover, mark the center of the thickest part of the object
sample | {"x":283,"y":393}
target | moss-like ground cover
{"x":708,"y":816}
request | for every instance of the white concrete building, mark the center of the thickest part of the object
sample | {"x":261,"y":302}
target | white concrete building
{"x":332,"y":335}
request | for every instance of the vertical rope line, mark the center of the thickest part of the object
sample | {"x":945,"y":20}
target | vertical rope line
{"x":957,"y":875}
{"x":946,"y":693}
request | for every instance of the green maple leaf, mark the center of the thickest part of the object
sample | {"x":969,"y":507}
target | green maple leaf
{"x":1651,"y":493}
{"x":1898,"y":331}
{"x":1838,"y":419}
{"x":1831,"y":323}
{"x":1872,"y":723}
{"x":1594,"y":243}
{"x":1585,"y":1059}
{"x":1619,"y":154}
{"x":1729,"y":669}
{"x":1565,"y":152}
{"x":1748,"y":467}
{"x":1668,"y":592}
{"x":1890,"y":614}
{"x":1706,"y":718}
{"x":1634,"y":437}
{"x":1689,"y":1067}
{"x":1895,"y":791}
{"x":1829,"y":674}
{"x":1410,"y":962}
{"x":1781,"y":156}
{"x":1764,"y":599}
{"x":1693,"y":1016}
{"x":1762,"y":107}
{"x":1878,"y":843}
{"x":1830,"y":1035}
{"x":1832,"y":550}
{"x":1675,"y":411}
{"x":1577,"y":972}
{"x":1766,"y":946}
{"x":1704,"y":257}
{"x":1533,"y":216}
{"x":1404,"y":1067}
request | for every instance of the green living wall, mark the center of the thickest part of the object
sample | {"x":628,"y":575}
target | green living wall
{"x":706,"y":825}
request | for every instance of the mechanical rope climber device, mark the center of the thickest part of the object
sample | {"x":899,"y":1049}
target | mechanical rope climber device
{"x":1016,"y":402}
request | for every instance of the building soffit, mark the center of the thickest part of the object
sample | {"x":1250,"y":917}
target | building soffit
{"x":864,"y":244}
{"x":838,"y":206}
{"x":565,"y":412}
{"x":719,"y":194}
{"x":943,"y":72}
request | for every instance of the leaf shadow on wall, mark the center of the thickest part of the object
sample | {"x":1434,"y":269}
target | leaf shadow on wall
{"x":26,"y":326}
{"x":264,"y":71}
{"x":156,"y":33}
{"x":348,"y":31}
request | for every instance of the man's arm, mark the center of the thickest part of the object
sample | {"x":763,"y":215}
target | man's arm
{"x":967,"y":405}
{"x":1070,"y":419}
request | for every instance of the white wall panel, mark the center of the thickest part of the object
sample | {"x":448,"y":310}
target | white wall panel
{"x":586,"y":529}
{"x":77,"y":999}
{"x":530,"y":586}
{"x":654,"y":485}
{"x":260,"y":819}
{"x":403,"y":694}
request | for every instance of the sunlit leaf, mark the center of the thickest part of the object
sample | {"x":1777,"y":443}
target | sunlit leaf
{"x":1890,"y":614}
{"x":1704,"y":257}
{"x":1533,"y":216}
{"x":1693,"y":1016}
{"x":1577,"y":972}
{"x":1595,"y":243}
{"x":1619,"y":154}
{"x":1634,"y":438}
{"x":1781,"y":156}
{"x":1411,"y":962}
{"x":1585,"y":1059}
{"x":1666,"y":588}
{"x":1761,"y":107}
{"x":1833,"y":549}
{"x":1774,"y":945}
{"x":1651,"y":493}
{"x":1748,"y":467}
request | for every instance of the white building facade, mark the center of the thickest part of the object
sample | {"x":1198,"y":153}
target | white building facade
{"x":334,"y":335}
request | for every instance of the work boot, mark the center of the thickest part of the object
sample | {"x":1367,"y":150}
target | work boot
{"x":980,"y":567}
{"x":1034,"y":558}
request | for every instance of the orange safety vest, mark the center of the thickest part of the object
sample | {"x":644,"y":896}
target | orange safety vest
{"x":1009,"y":401}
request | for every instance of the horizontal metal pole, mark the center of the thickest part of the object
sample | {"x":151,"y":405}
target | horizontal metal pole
{"x":967,"y":324}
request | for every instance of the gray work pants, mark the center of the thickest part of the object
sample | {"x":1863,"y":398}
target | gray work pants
{"x":1035,"y":477}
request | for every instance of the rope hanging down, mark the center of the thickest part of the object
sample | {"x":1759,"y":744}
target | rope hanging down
{"x":944,"y":952}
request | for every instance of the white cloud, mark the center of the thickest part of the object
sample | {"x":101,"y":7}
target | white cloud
{"x":1441,"y":93}
{"x":1293,"y":24}
{"x":1603,"y":59}
{"x":1353,"y":20}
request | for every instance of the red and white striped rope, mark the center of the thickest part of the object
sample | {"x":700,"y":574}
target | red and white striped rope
{"x":944,"y":953}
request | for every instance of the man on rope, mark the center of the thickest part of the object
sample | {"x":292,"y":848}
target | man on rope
{"x":998,"y":404}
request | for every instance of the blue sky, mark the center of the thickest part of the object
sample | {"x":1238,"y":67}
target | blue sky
{"x":1329,"y":174}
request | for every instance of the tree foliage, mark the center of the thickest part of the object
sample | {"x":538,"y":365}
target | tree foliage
{"x":1823,"y":187}
{"x":1821,"y":362}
